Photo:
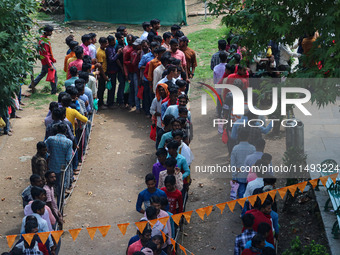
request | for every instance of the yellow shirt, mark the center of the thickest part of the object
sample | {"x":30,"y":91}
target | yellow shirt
{"x":101,"y":58}
{"x":74,"y":58}
{"x":72,"y":115}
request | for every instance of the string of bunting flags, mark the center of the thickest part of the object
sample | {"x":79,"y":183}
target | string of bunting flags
{"x":177,"y":217}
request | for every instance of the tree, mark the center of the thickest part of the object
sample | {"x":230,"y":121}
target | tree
{"x":259,"y":21}
{"x":18,"y":47}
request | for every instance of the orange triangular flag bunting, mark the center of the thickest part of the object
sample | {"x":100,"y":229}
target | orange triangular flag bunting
{"x":43,"y":236}
{"x":123,"y":227}
{"x":164,"y":236}
{"x":323,"y":180}
{"x":208,"y":210}
{"x":282,"y":192}
{"x":177,"y":217}
{"x":231,"y":205}
{"x":333,"y":177}
{"x":28,"y":237}
{"x":153,"y":222}
{"x":56,"y":235}
{"x":141,"y":225}
{"x":91,"y":231}
{"x":252,"y":199}
{"x":241,"y":201}
{"x":164,"y":220}
{"x":221,"y":206}
{"x":272,"y":193}
{"x":292,"y":189}
{"x":201,"y":212}
{"x":301,"y":186}
{"x":183,"y":249}
{"x":74,"y":233}
{"x":104,"y":229}
{"x":187,"y":215}
{"x":263,"y":196}
{"x":314,"y":182}
{"x":173,"y":242}
{"x":10,"y":240}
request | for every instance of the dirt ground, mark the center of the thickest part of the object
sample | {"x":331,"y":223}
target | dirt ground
{"x":120,"y":155}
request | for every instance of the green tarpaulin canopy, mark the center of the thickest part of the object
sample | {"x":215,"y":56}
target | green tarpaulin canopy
{"x":126,"y":11}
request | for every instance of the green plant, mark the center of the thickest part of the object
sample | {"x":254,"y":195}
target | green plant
{"x":18,"y":46}
{"x":310,"y":249}
{"x":260,"y":21}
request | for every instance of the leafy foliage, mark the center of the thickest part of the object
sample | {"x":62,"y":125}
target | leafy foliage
{"x":311,"y":249}
{"x":18,"y":47}
{"x":259,"y":21}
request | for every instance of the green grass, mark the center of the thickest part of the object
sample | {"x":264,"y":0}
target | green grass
{"x":204,"y":43}
{"x":40,"y":16}
{"x":43,"y":95}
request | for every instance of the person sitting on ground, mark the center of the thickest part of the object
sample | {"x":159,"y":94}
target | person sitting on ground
{"x":40,"y":194}
{"x":257,"y":244}
{"x":145,"y":195}
{"x":26,"y":196}
{"x":171,"y":169}
{"x":160,"y":165}
{"x":74,"y":76}
{"x":247,"y":234}
{"x":173,"y":194}
{"x":144,"y":238}
{"x":38,"y":162}
{"x":263,"y":229}
{"x":51,"y":179}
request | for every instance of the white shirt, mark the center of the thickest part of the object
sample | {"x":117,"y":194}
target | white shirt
{"x":92,"y":84}
{"x":157,"y":76}
{"x":255,"y":184}
{"x":144,"y":36}
{"x":93,"y":51}
{"x":286,"y":53}
{"x":156,"y":106}
{"x":186,"y":152}
{"x":165,"y":79}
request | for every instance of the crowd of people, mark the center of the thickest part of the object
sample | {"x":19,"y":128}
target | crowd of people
{"x":153,"y":74}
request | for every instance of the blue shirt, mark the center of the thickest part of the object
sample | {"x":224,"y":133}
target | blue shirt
{"x":60,"y":150}
{"x":173,"y":110}
{"x":164,"y":138}
{"x":275,"y":220}
{"x":248,"y":245}
{"x":237,"y":158}
{"x":89,"y":94}
{"x":85,"y":98}
{"x":144,"y":197}
{"x":145,"y":59}
{"x":182,"y":164}
{"x":163,"y":109}
{"x":70,"y":81}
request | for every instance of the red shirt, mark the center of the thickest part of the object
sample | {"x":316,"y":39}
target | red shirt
{"x":259,"y":218}
{"x":249,"y":252}
{"x":127,"y":59}
{"x":135,"y":58}
{"x":136,"y":246}
{"x":174,"y":198}
{"x":46,"y":52}
{"x":77,"y":63}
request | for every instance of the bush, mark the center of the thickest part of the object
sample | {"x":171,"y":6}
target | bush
{"x":311,"y":249}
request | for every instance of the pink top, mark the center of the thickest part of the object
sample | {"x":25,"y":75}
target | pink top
{"x":51,"y":198}
{"x":180,"y":55}
{"x":86,"y":49}
{"x":48,"y":216}
{"x":77,"y":63}
{"x":136,"y":246}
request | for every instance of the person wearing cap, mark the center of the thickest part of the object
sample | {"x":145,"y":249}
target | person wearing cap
{"x":47,"y":60}
{"x":176,"y":53}
{"x":155,"y":62}
{"x":135,"y":58}
{"x":147,"y":27}
{"x":190,"y":56}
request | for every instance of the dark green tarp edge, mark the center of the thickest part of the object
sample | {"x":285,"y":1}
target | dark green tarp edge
{"x":169,"y":12}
